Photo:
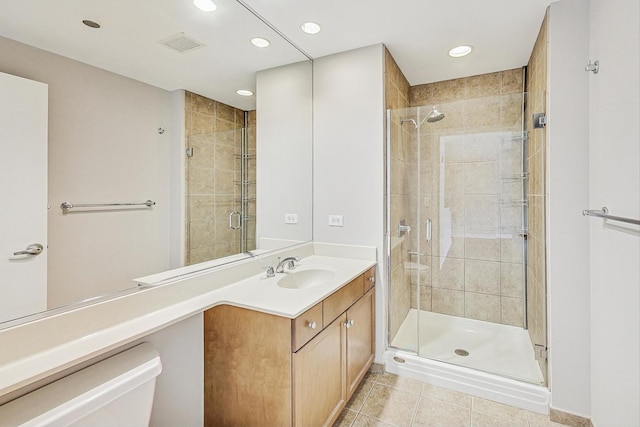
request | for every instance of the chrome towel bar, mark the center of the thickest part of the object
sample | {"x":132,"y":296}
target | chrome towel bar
{"x":65,"y":206}
{"x":604,"y":214}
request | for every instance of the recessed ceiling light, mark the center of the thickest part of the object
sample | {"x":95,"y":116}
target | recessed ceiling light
{"x":205,"y":5}
{"x":260,"y":42}
{"x":244,"y":92}
{"x":310,"y":28}
{"x":91,"y":24}
{"x":460,"y":51}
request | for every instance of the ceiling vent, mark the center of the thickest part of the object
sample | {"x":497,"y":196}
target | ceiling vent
{"x":181,"y":43}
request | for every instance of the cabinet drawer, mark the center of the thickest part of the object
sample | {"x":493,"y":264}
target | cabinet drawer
{"x":339,"y":301}
{"x":306,"y":326}
{"x":370,"y":278}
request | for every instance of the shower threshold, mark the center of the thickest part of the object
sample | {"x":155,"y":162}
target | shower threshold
{"x":489,"y":347}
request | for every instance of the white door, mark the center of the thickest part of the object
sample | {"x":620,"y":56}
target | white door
{"x":23,"y":196}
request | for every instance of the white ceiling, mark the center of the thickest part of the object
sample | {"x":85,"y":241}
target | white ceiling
{"x":418,"y":34}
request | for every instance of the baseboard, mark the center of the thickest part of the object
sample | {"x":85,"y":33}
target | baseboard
{"x":569,"y":419}
{"x":376,"y":368}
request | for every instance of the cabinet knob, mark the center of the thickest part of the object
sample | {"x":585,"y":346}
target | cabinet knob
{"x":349,"y":323}
{"x":372,"y":279}
{"x":312,"y":325}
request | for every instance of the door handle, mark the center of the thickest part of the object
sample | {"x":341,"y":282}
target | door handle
{"x":428,"y":230}
{"x":33,"y":249}
{"x":238,"y":223}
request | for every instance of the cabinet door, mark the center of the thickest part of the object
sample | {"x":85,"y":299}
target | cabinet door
{"x":360,"y":330}
{"x":247,"y":368}
{"x":319,"y":377}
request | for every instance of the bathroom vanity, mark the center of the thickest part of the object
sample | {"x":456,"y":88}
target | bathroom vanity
{"x":291,"y":351}
{"x":267,"y":369}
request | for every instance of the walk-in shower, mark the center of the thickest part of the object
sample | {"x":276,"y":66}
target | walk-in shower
{"x":457,"y":238}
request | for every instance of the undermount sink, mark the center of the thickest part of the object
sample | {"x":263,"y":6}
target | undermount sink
{"x":305,"y":278}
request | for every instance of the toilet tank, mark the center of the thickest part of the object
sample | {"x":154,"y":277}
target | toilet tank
{"x":117,"y":391}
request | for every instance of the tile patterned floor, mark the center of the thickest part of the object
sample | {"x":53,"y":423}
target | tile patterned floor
{"x":388,"y":400}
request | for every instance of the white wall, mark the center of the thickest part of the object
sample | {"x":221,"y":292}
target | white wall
{"x":179,"y":397}
{"x":178,"y":182}
{"x":284,"y":147}
{"x":615,"y":182}
{"x":568,"y":231}
{"x":348,"y":112}
{"x":594,"y":266}
{"x":103,"y":147}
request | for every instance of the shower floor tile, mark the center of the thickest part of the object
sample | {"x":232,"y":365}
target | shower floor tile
{"x":385,"y":401}
{"x":489,"y":347}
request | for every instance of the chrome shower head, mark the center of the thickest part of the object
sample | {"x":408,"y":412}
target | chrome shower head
{"x":435,"y":115}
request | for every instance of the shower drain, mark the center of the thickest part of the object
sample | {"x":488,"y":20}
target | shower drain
{"x":461,"y":352}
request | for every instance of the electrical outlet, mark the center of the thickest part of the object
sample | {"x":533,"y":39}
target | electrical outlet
{"x":290,"y":218}
{"x":336,"y":220}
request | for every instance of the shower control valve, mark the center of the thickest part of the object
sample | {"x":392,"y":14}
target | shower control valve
{"x":270,"y":271}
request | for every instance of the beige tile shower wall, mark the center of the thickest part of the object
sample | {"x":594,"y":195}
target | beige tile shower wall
{"x":465,"y":159}
{"x":397,"y":97}
{"x":213,"y":131}
{"x":252,"y":186}
{"x":536,"y":158}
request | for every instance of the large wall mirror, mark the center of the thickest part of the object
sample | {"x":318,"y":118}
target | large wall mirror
{"x":146,"y":108}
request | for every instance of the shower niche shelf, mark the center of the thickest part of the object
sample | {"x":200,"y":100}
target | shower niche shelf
{"x":513,"y":202}
{"x":514,"y":176}
{"x":513,"y":230}
{"x":519,"y":137}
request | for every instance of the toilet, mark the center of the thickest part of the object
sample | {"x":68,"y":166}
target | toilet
{"x":117,"y":391}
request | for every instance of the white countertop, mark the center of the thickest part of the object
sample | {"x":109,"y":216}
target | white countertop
{"x":262,"y":293}
{"x":35,"y":350}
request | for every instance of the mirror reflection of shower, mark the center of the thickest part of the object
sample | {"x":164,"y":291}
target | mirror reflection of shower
{"x":220,"y":181}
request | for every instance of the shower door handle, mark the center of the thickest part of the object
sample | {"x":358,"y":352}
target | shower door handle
{"x":238,"y":223}
{"x":428,"y":230}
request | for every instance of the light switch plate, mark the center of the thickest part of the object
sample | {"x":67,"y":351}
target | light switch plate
{"x":290,"y":218}
{"x":336,"y":220}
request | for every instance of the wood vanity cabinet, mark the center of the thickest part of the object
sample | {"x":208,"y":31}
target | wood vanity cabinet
{"x":266,"y":370}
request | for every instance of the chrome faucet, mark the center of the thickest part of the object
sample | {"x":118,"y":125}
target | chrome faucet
{"x":289,"y":262}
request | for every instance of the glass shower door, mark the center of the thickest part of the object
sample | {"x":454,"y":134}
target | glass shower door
{"x":408,"y":218}
{"x":213,"y":223}
{"x":466,"y":199}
